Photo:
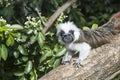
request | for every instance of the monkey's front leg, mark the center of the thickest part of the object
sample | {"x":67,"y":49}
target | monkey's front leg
{"x":67,"y":57}
{"x":83,"y":53}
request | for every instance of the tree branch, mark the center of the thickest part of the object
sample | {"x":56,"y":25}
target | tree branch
{"x":56,"y":14}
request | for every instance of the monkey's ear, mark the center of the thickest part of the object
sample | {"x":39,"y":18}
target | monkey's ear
{"x":61,"y":33}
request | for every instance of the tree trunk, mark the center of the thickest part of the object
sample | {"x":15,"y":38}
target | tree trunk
{"x":103,"y":63}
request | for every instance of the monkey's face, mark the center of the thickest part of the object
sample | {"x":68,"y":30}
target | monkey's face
{"x":67,"y":37}
{"x":67,"y":33}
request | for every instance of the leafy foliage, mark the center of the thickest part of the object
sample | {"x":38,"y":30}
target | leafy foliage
{"x":26,"y":52}
{"x":83,"y":12}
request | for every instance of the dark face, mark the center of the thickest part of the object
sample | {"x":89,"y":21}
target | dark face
{"x":67,"y":37}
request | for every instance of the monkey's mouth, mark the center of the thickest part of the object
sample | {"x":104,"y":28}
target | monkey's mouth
{"x":67,"y":38}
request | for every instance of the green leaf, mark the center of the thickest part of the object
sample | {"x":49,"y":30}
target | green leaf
{"x":22,"y":50}
{"x":51,"y":61}
{"x":34,"y":52}
{"x":48,"y":53}
{"x":33,"y":75}
{"x":45,"y":55}
{"x":56,"y":48}
{"x":18,"y":62}
{"x":22,"y":78}
{"x":16,"y":27}
{"x":28,"y":67}
{"x":4,"y":52}
{"x":56,"y":63}
{"x":4,"y":28}
{"x":24,"y":38}
{"x":14,"y":34}
{"x":61,"y":53}
{"x":41,"y":68}
{"x":82,"y":19}
{"x":24,"y":58}
{"x":94,"y":26}
{"x":29,"y":31}
{"x":19,"y":73}
{"x":41,"y":39}
{"x":16,"y":54}
{"x":85,"y":28}
{"x":33,"y":39}
{"x":10,"y":41}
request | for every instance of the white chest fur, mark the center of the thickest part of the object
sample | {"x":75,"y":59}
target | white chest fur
{"x":82,"y":48}
{"x":78,"y":46}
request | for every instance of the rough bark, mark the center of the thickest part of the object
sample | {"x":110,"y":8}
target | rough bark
{"x":56,"y":14}
{"x":103,"y":63}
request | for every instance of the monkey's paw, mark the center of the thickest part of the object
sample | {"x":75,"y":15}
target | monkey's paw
{"x":77,"y":63}
{"x":64,"y":61}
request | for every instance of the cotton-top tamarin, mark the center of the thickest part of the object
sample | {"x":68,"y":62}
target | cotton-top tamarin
{"x":83,"y":41}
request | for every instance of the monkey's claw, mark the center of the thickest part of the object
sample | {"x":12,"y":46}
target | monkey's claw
{"x":77,"y":63}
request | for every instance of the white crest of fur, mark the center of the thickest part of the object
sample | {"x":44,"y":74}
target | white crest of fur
{"x":66,"y":27}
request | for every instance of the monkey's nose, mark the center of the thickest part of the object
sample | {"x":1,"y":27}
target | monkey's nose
{"x":67,"y":38}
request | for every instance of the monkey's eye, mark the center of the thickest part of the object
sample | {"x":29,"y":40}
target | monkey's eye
{"x":71,"y":31}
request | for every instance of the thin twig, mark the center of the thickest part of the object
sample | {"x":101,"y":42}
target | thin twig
{"x":39,"y":14}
